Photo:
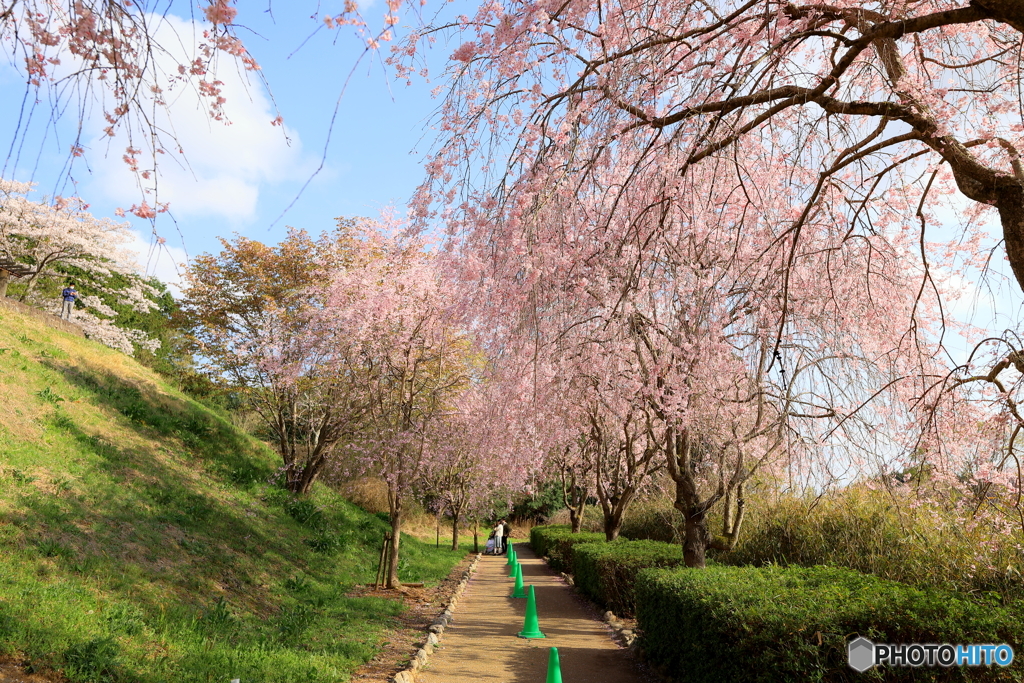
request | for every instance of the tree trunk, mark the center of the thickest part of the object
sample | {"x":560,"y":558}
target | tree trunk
{"x":476,"y":535}
{"x":614,"y":509}
{"x":695,"y":539}
{"x":293,"y":479}
{"x":455,"y":530}
{"x":1011,"y":215}
{"x":612,"y":524}
{"x":5,"y":279}
{"x":309,"y":476}
{"x":292,"y":468}
{"x":574,"y":494}
{"x":576,"y":519}
{"x":732,"y":520}
{"x":30,"y":284}
{"x":396,"y":535}
{"x":300,"y":479}
{"x":1007,"y":11}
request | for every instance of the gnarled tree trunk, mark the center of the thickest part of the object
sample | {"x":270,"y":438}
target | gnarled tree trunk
{"x":574,"y":476}
{"x":696,"y":539}
{"x":612,"y":526}
{"x":575,"y":519}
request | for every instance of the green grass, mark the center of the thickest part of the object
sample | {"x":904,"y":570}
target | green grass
{"x":140,"y":539}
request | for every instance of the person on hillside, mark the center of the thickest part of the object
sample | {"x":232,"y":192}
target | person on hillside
{"x":507,"y":535}
{"x":68,"y":305}
{"x":499,"y":531}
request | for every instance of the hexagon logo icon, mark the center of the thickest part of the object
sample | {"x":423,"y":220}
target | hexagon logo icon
{"x":861,"y":654}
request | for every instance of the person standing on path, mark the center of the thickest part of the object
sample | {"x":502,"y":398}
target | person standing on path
{"x":68,"y":305}
{"x":499,"y":531}
{"x":507,"y":534}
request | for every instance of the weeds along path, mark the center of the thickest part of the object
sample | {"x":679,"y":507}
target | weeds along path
{"x":481,"y":643}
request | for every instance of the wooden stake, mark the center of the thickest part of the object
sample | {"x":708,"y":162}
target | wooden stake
{"x":385,"y":557}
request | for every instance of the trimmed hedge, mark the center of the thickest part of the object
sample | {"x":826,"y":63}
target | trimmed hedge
{"x":773,"y":624}
{"x":607,"y":571}
{"x":556,"y":543}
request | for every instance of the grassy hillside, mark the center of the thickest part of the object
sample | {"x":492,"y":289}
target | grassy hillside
{"x":140,"y":540}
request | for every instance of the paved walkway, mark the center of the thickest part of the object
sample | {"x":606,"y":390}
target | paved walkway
{"x":481,"y":643}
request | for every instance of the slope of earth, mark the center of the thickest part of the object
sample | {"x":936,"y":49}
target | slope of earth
{"x":141,"y":541}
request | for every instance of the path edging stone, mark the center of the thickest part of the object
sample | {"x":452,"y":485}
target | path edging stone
{"x":437,"y":628}
{"x":623,"y":630}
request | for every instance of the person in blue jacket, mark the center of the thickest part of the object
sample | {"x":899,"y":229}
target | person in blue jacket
{"x":69,"y":295}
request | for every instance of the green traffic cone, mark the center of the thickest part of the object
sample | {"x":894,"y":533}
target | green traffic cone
{"x":554,"y":667}
{"x":512,"y":571}
{"x":531,"y":629}
{"x":511,"y":557}
{"x":519,"y":592}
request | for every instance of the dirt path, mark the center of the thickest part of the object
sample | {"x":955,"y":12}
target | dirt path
{"x":481,"y":643}
{"x":15,"y":673}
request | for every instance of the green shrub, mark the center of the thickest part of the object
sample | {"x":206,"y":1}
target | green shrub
{"x":777,"y":624}
{"x":556,"y":543}
{"x":653,"y":519}
{"x":607,"y":571}
{"x":542,"y":537}
{"x":886,"y":534}
{"x":593,"y":518}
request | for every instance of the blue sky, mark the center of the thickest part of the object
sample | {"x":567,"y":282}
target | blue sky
{"x":242,"y":177}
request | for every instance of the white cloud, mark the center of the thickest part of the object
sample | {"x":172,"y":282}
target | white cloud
{"x":164,"y":261}
{"x":224,"y":164}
